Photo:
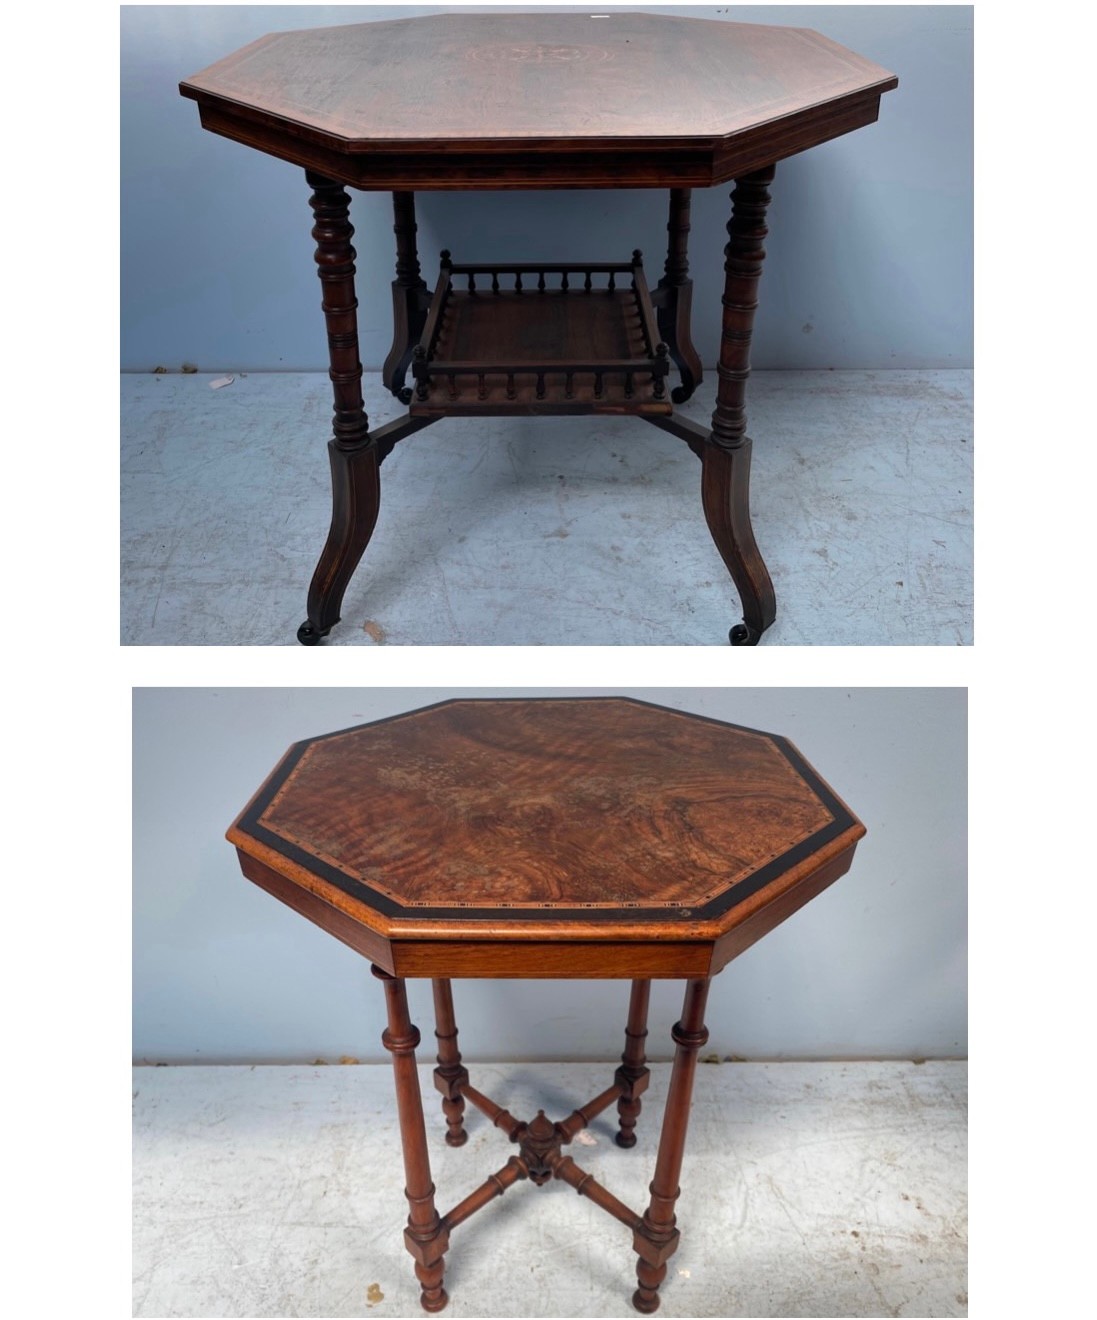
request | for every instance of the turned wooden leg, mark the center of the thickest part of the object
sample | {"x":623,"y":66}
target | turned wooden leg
{"x":656,"y":1239}
{"x":673,"y":297}
{"x":410,"y":297}
{"x":425,"y":1236}
{"x":355,"y":484}
{"x":725,"y":480}
{"x":632,"y":1074}
{"x":450,"y":1075}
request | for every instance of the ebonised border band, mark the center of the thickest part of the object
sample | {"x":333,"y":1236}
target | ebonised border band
{"x":734,"y":895}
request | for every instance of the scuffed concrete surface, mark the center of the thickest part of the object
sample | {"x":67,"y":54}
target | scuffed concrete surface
{"x":550,"y":530}
{"x":809,"y":1189}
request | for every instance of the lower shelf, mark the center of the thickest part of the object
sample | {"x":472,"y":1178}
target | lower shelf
{"x":494,"y":350}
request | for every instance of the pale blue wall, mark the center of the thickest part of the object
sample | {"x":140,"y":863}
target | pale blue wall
{"x":870,"y":255}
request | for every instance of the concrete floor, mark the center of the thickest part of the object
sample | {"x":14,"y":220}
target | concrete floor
{"x":550,"y":530}
{"x":809,"y":1189}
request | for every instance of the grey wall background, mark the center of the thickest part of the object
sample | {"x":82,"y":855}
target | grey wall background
{"x":874,"y":967}
{"x":870,"y":251}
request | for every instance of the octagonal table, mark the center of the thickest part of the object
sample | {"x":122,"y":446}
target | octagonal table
{"x":505,"y":101}
{"x":590,"y":837}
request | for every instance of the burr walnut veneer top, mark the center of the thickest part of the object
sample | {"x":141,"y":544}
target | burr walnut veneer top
{"x":655,"y":98}
{"x":488,"y":837}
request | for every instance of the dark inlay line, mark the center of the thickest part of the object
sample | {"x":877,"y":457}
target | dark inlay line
{"x":735,"y":894}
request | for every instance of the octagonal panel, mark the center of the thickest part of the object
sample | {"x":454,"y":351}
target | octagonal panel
{"x":513,"y":100}
{"x":532,"y":75}
{"x":600,"y":810}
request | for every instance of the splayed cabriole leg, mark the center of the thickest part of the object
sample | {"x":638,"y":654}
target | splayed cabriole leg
{"x":673,"y":298}
{"x":725,"y":497}
{"x":426,"y":1236}
{"x":632,"y":1075}
{"x":356,"y":489}
{"x":450,"y":1075}
{"x":725,"y":481}
{"x":355,"y":499}
{"x":656,"y":1238}
{"x":410,"y":297}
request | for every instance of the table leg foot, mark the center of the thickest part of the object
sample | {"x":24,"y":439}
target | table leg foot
{"x":725,"y":496}
{"x":433,"y":1296}
{"x":646,"y":1298}
{"x":450,"y":1075}
{"x":743,"y":635}
{"x":356,"y":499}
{"x":633,"y":1072}
{"x":309,"y":635}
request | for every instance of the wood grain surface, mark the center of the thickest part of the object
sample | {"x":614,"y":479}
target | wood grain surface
{"x":601,"y":832}
{"x":536,"y":804}
{"x":471,"y":76}
{"x":427,"y":102}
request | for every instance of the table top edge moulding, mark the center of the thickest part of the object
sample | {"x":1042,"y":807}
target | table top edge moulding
{"x":539,"y":140}
{"x":662,"y":928}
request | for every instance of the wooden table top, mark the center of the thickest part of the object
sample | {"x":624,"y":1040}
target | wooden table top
{"x":513,"y":100}
{"x":570,"y":837}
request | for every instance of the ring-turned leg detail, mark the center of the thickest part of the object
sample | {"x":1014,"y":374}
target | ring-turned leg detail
{"x":352,"y":452}
{"x":725,"y":481}
{"x":633,"y":1074}
{"x":426,"y":1236}
{"x":450,"y":1075}
{"x":673,"y":298}
{"x":656,"y":1238}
